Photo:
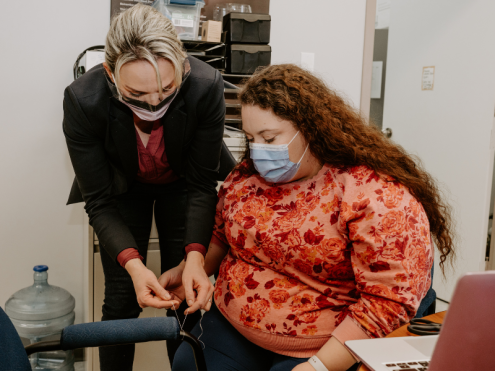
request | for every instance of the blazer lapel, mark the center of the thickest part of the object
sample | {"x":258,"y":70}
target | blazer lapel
{"x":174,"y":127}
{"x":123,"y":133}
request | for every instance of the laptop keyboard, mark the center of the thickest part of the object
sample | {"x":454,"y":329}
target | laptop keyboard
{"x":408,"y":366}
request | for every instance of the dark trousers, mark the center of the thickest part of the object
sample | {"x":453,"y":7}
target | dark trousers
{"x":168,"y":202}
{"x":225,"y":349}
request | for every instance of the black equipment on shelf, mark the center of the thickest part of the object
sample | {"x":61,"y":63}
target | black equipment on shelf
{"x":77,"y":70}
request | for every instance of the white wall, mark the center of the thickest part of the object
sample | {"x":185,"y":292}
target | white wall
{"x":332,"y":29}
{"x":450,"y":126}
{"x":382,"y":19}
{"x":39,"y":42}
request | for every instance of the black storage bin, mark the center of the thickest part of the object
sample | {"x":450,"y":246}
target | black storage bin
{"x":244,"y":59}
{"x":247,"y":28}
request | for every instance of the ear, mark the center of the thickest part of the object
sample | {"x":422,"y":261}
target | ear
{"x":109,"y":73}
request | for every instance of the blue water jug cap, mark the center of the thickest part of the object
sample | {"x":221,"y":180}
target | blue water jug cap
{"x":40,"y":268}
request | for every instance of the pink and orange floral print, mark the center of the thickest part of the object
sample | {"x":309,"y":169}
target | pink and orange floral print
{"x":347,"y":253}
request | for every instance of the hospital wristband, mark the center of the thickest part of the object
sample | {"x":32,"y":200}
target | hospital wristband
{"x":317,"y":364}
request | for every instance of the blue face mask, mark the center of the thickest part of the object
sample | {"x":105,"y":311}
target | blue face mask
{"x":272,"y":161}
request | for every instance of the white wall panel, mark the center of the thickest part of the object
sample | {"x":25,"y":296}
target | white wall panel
{"x":449,"y":127}
{"x":39,"y":42}
{"x":331,"y":29}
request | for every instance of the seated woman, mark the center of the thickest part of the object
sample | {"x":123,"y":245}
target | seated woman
{"x":322,"y":234}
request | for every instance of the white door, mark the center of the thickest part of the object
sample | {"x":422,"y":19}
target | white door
{"x":450,"y":126}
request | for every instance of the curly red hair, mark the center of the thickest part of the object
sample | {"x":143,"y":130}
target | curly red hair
{"x":339,"y":136}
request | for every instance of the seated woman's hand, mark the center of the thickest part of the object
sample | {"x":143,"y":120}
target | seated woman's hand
{"x":171,"y":281}
{"x":197,"y":285}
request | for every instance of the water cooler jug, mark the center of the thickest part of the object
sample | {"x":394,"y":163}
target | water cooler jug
{"x":40,"y":312}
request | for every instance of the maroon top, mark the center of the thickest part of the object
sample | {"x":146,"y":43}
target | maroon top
{"x":155,"y":169}
{"x":153,"y":164}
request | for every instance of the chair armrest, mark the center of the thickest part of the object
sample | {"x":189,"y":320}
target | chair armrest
{"x":43,"y":346}
{"x":117,"y":332}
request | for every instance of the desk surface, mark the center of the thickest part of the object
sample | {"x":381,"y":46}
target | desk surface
{"x":402,"y":331}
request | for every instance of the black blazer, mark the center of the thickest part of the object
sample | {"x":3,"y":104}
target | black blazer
{"x":101,"y":139}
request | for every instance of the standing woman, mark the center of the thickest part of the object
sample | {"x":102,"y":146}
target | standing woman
{"x":144,"y":132}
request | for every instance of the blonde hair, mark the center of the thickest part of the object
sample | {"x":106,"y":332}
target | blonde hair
{"x":143,"y":33}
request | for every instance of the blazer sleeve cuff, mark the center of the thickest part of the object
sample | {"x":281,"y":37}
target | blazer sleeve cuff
{"x":128,"y":254}
{"x":195,"y":247}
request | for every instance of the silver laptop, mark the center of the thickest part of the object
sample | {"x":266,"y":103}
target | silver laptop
{"x":466,"y":341}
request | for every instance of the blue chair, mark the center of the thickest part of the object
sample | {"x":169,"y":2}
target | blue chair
{"x":428,"y":304}
{"x":14,"y":356}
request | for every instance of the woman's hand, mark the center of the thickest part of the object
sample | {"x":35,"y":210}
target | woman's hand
{"x":303,"y":367}
{"x":148,"y":291}
{"x":197,"y":285}
{"x":171,"y":281}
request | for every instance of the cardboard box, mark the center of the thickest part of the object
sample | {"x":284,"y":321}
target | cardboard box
{"x":212,"y":31}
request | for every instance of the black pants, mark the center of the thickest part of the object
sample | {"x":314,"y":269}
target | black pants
{"x":225,"y":349}
{"x":136,"y":208}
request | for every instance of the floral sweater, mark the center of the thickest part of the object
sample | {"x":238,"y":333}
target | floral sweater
{"x":345,"y":254}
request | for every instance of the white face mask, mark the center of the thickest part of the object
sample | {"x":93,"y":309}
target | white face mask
{"x":153,"y":113}
{"x":146,"y":115}
{"x":146,"y":111}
